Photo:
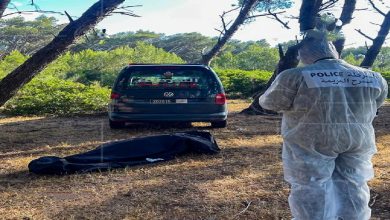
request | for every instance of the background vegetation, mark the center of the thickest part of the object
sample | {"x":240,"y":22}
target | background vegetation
{"x":79,"y":81}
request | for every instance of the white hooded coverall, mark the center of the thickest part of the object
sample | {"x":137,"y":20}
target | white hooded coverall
{"x":328,"y":108}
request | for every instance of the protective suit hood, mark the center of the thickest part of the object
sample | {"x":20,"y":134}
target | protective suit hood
{"x":315,"y":46}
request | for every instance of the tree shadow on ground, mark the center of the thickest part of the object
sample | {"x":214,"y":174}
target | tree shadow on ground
{"x":45,"y":135}
{"x":379,"y":202}
{"x":186,"y":193}
{"x":220,"y":187}
{"x":173,"y":190}
{"x":232,"y":160}
{"x":382,"y":121}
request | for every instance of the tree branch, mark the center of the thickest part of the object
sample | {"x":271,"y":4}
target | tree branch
{"x":231,"y":10}
{"x":292,"y":17}
{"x":223,"y":22}
{"x":125,"y":10}
{"x":327,"y":5}
{"x":377,"y":9}
{"x":222,"y":16}
{"x":35,"y":5}
{"x":275,"y":16}
{"x":125,"y":13}
{"x":375,"y":24}
{"x":220,"y":33}
{"x":266,"y":14}
{"x":17,"y":11}
{"x":329,"y":2}
{"x":361,"y":9}
{"x":363,"y":34}
{"x":69,"y":17}
{"x":26,"y":12}
{"x":245,"y":9}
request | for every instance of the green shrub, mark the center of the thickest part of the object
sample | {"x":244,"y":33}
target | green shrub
{"x":241,"y":83}
{"x":55,"y":96}
{"x":10,"y":62}
{"x":386,"y":75}
{"x":89,"y":67}
{"x":253,"y":57}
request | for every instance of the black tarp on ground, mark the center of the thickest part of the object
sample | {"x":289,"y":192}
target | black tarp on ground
{"x":129,"y":152}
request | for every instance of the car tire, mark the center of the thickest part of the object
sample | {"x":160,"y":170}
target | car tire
{"x":219,"y":124}
{"x":116,"y":124}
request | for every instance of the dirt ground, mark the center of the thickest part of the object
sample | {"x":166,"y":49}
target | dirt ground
{"x":244,"y":181}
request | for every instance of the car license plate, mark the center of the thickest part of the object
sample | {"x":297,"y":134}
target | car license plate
{"x":160,"y":101}
{"x":181,"y":101}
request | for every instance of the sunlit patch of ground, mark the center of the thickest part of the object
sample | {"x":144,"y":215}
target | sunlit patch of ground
{"x":244,"y":181}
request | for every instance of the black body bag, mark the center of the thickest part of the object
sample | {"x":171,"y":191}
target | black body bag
{"x":129,"y":152}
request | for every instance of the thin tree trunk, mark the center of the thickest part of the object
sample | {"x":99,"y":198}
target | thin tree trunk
{"x":242,"y":16}
{"x":346,"y":18}
{"x":287,"y":61}
{"x":348,"y":9}
{"x":308,"y":13}
{"x":25,"y":72}
{"x":339,"y":45}
{"x":307,"y":20}
{"x":3,"y":6}
{"x":374,"y":50}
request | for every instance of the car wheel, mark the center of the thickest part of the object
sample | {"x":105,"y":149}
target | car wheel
{"x":116,"y":124}
{"x":218,"y":124}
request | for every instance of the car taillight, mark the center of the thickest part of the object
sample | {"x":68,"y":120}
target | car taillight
{"x":115,"y":95}
{"x":220,"y":99}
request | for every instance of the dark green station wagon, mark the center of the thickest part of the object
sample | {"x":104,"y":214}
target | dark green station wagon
{"x":167,"y":93}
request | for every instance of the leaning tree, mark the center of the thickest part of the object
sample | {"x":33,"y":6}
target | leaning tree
{"x":23,"y":74}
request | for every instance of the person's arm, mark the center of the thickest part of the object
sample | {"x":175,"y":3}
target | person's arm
{"x":281,"y":94}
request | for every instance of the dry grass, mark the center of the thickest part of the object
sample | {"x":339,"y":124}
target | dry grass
{"x":244,"y":181}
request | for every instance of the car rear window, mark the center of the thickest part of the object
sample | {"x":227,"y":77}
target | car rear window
{"x":166,"y":77}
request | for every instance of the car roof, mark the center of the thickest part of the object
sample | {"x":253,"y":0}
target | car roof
{"x":131,"y":65}
{"x":151,"y":64}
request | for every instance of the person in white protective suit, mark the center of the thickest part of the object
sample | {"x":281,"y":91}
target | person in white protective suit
{"x":328,"y":107}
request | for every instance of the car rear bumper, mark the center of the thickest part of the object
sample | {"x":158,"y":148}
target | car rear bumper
{"x":128,"y":117}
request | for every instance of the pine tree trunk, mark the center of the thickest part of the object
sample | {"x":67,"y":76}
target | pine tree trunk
{"x":307,"y":20}
{"x":308,"y":13}
{"x":242,"y":16}
{"x":287,"y":61}
{"x":23,"y":74}
{"x":374,"y":50}
{"x":347,"y":12}
{"x":339,"y":45}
